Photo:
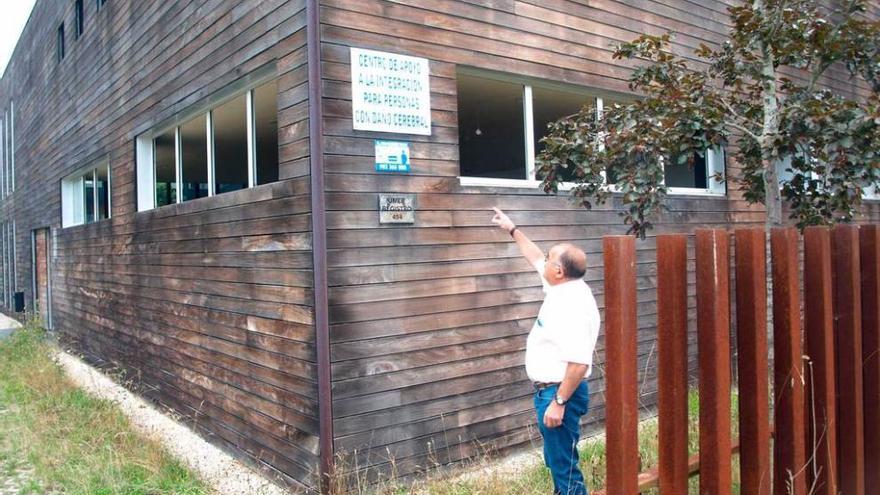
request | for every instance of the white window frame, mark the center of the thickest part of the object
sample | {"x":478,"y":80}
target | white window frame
{"x":715,"y":188}
{"x":14,"y":269}
{"x":7,"y":146}
{"x":72,"y":207}
{"x":716,"y":161}
{"x":12,"y":146}
{"x":4,"y":234}
{"x":531,"y":181}
{"x":146,"y":167}
{"x":3,"y":157}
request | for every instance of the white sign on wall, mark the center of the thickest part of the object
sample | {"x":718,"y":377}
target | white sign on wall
{"x":390,"y":92}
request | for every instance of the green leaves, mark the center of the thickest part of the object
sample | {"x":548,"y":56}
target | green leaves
{"x":831,"y":140}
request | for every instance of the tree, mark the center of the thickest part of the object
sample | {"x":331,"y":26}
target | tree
{"x":762,"y":91}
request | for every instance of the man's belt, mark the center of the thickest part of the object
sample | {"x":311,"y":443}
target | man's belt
{"x":543,"y":385}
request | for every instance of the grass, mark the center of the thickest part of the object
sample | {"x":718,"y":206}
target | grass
{"x":72,"y":443}
{"x":536,"y":479}
{"x":69,"y":441}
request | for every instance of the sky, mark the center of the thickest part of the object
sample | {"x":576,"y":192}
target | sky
{"x":13,"y":16}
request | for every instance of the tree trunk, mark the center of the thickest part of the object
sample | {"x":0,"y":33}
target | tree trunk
{"x":769,"y":131}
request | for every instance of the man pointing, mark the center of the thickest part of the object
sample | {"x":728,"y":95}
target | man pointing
{"x":559,"y":353}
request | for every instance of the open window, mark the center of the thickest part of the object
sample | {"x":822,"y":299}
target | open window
{"x":231,"y":145}
{"x":85,"y":195}
{"x":696,"y":174}
{"x":501,"y":121}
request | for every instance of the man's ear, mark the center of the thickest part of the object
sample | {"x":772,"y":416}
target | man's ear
{"x":558,"y":273}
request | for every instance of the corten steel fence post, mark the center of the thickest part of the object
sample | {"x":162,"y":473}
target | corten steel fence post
{"x":754,"y":386}
{"x":869,"y":237}
{"x":789,"y":447}
{"x":621,"y":370}
{"x":672,"y":364}
{"x":848,"y":345}
{"x":713,"y":334}
{"x":819,"y":342}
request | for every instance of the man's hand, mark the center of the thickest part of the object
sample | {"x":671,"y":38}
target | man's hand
{"x":553,"y":415}
{"x":502,"y":220}
{"x":528,"y":248}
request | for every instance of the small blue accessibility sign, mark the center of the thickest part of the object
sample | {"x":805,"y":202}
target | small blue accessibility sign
{"x":392,"y":156}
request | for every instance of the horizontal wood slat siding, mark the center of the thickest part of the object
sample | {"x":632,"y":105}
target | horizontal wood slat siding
{"x":429,"y":321}
{"x":206,"y":305}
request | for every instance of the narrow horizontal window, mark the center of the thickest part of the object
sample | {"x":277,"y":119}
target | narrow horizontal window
{"x":230,"y":147}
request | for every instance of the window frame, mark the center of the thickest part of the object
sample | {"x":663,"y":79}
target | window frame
{"x":11,"y":146}
{"x":527,"y":85}
{"x":145,"y":151}
{"x":7,"y":152}
{"x":719,"y":189}
{"x":713,"y":187}
{"x":72,"y":189}
{"x":60,"y":50}
{"x":4,"y":154}
{"x":79,"y":19}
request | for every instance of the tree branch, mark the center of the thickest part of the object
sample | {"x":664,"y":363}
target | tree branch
{"x":735,"y":125}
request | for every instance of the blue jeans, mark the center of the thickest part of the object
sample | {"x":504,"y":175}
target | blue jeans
{"x":560,"y":443}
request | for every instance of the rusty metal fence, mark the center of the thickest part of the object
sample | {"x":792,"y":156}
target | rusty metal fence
{"x":823,"y":420}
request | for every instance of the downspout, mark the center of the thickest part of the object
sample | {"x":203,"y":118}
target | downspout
{"x":319,"y":245}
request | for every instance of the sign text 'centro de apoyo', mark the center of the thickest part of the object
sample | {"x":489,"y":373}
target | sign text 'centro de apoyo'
{"x":390,"y":92}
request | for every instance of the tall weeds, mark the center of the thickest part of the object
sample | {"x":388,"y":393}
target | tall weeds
{"x":68,"y":441}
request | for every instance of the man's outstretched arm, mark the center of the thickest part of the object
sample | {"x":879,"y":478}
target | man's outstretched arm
{"x":528,"y":248}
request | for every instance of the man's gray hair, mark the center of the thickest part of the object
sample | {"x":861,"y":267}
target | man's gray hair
{"x":573,"y":262}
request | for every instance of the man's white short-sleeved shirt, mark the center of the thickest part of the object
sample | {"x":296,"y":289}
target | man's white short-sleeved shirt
{"x":565,"y":331}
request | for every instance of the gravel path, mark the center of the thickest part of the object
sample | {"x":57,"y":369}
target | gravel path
{"x":219,"y":470}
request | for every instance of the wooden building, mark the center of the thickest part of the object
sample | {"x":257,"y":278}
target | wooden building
{"x":191,"y":193}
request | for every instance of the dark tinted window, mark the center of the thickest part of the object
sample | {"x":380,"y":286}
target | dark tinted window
{"x":266,"y":124}
{"x":166,"y":180}
{"x":80,"y":20}
{"x":491,"y":131}
{"x":59,"y":43}
{"x":230,"y":146}
{"x":194,"y":154}
{"x":691,"y":175}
